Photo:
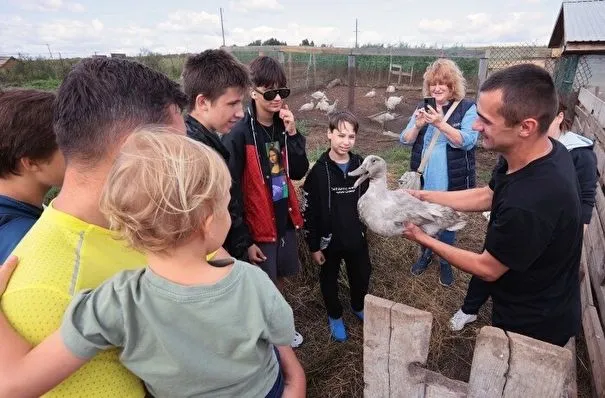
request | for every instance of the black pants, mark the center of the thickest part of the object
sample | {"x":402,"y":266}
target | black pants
{"x":476,"y":295}
{"x":358,"y":271}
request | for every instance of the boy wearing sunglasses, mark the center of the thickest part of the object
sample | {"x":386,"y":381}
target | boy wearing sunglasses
{"x":266,"y":153}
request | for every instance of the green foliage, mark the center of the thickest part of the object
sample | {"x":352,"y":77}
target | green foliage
{"x":302,"y":125}
{"x":274,"y":42}
{"x":50,"y":195}
{"x":256,"y":43}
{"x":46,"y":85}
{"x":307,"y":43}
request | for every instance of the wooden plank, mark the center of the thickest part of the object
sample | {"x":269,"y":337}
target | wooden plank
{"x":595,"y":242}
{"x":376,"y":341}
{"x":594,"y":106}
{"x":536,"y":368}
{"x":595,"y":344}
{"x":439,"y":386}
{"x":585,"y":286}
{"x":490,"y":364}
{"x":410,"y":337}
{"x":589,"y":125}
{"x":572,"y":381}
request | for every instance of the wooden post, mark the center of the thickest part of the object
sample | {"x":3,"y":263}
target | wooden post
{"x":483,"y":69}
{"x":352,"y":71}
{"x":512,"y":365}
{"x":290,"y":69}
{"x":281,"y":58}
{"x":377,"y":340}
{"x":410,"y":338}
{"x":313,"y":76}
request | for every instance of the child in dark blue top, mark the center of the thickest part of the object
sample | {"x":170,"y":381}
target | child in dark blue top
{"x":30,"y":162}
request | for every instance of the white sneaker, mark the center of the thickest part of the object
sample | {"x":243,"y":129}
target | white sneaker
{"x":298,"y":340}
{"x":460,"y":319}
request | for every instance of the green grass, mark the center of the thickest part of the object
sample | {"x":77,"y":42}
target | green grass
{"x":302,"y":126}
{"x":46,"y":84}
{"x":397,"y":158}
{"x":50,"y":195}
{"x":314,"y":154}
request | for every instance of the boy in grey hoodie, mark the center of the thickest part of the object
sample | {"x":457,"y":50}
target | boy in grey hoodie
{"x":585,"y":161}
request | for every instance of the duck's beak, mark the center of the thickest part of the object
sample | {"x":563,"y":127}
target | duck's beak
{"x":362,"y":173}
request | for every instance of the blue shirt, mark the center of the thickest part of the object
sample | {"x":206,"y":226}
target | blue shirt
{"x":16,"y":218}
{"x":435,"y":172}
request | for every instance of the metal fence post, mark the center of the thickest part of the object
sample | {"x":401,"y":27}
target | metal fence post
{"x":352,"y":69}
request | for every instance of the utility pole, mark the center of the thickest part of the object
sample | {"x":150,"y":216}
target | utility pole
{"x":51,"y":54}
{"x":356,"y":31}
{"x":222,"y":28}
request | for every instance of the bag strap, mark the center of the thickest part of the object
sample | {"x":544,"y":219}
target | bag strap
{"x":427,"y":154}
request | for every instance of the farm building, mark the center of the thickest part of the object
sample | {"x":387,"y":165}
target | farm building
{"x":579,"y":33}
{"x":8,"y":62}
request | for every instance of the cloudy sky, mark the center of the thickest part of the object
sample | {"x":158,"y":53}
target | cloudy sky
{"x":81,"y":27}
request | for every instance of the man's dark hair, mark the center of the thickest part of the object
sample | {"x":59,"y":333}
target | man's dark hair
{"x":337,"y":118}
{"x":26,"y":128}
{"x":267,"y":72}
{"x":102,"y":98}
{"x":527,"y":92}
{"x":211,"y":73}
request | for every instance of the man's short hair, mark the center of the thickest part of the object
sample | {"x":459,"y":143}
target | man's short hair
{"x":26,"y":128}
{"x":211,"y":73}
{"x":267,"y":72}
{"x":337,"y":118}
{"x":103,"y":98}
{"x":527,"y":92}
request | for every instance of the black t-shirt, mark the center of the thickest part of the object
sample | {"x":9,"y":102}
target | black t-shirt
{"x":279,"y":182}
{"x":535,"y":230}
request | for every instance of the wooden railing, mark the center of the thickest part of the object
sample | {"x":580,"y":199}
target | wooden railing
{"x":590,"y":121}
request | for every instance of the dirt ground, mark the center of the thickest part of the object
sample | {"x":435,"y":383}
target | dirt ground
{"x":336,"y":369}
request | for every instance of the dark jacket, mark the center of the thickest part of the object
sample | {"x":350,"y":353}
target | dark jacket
{"x":461,"y":173}
{"x":251,"y":192}
{"x":16,"y":218}
{"x":585,"y":161}
{"x":200,"y":133}
{"x":330,"y":206}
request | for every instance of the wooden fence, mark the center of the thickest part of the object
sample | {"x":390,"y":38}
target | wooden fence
{"x":590,"y":121}
{"x":396,"y":346}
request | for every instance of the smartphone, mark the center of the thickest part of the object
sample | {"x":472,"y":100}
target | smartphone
{"x":429,"y":101}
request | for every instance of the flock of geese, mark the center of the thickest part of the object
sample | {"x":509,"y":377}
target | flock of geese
{"x":323,"y":103}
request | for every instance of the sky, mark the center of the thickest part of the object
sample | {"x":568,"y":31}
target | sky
{"x":82,"y":28}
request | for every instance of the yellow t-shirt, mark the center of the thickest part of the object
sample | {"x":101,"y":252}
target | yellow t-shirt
{"x":60,"y":256}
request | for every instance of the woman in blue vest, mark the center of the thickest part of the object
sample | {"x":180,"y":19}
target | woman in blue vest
{"x":451,"y":165}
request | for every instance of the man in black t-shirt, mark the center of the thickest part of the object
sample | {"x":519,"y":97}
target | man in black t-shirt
{"x":534,"y":239}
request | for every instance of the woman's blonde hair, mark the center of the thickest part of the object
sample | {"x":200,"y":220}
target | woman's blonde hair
{"x":445,"y":71}
{"x":162,"y":188}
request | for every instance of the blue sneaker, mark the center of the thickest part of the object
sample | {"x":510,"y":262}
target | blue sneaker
{"x":446,"y":275}
{"x":358,"y":314}
{"x":337,"y":329}
{"x":422,"y":264}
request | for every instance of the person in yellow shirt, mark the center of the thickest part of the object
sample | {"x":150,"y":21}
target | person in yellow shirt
{"x":99,"y":104}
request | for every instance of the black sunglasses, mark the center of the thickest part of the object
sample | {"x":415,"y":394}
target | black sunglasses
{"x":270,"y":95}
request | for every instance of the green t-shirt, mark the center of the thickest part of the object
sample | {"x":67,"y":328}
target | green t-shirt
{"x":186,"y":341}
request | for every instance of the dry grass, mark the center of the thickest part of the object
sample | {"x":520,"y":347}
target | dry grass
{"x":336,"y":369}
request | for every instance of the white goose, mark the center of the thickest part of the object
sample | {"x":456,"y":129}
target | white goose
{"x":371,"y":93}
{"x":392,"y":102}
{"x":391,"y":89}
{"x":385,"y":212}
{"x":318,"y":95}
{"x":331,"y":108}
{"x":307,"y":107}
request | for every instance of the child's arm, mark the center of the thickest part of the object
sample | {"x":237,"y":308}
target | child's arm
{"x":43,"y":368}
{"x":294,"y":374}
{"x":310,"y":204}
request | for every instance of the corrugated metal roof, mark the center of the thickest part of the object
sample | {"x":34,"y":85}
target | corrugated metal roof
{"x":584,"y":21}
